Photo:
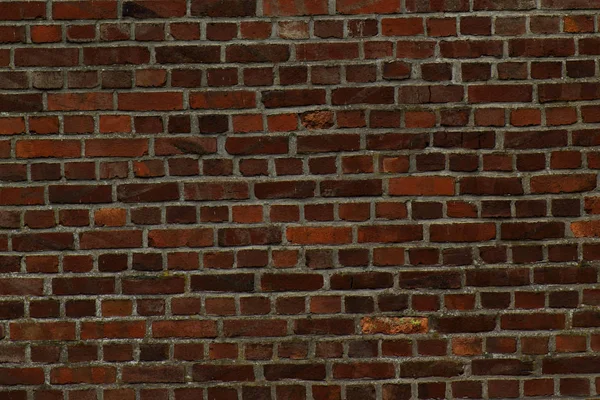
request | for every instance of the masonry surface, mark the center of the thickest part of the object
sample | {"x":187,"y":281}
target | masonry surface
{"x":299,"y":199}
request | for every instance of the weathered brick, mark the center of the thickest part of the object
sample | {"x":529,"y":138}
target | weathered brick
{"x":394,"y":326}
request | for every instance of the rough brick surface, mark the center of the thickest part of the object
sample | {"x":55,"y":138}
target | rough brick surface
{"x":299,"y":199}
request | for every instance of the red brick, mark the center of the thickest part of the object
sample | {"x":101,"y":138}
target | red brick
{"x":304,"y":7}
{"x":110,"y":239}
{"x":201,"y":237}
{"x":228,"y":100}
{"x":491,"y":186}
{"x":21,"y":376}
{"x":320,"y":235}
{"x":389,"y":233}
{"x":48,"y":148}
{"x":471,"y":49}
{"x":22,"y":10}
{"x":154,"y":9}
{"x":153,"y":374}
{"x":80,"y":101}
{"x":59,"y":57}
{"x":257,"y":53}
{"x":116,"y":147}
{"x":95,"y":375}
{"x":74,"y":10}
{"x":402,"y":26}
{"x":500,"y":93}
{"x":42,"y":331}
{"x":538,"y":321}
{"x":166,"y":101}
{"x":257,"y":145}
{"x":462,"y":232}
{"x":222,"y":373}
{"x":250,"y":328}
{"x":371,"y":7}
{"x":184,"y":329}
{"x":424,"y":186}
{"x":563,"y":183}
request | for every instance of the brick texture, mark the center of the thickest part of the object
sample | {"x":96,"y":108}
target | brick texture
{"x":299,"y":199}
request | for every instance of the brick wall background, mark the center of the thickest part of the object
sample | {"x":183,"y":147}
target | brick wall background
{"x":299,"y":199}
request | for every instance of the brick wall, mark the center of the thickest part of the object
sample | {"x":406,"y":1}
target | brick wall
{"x":299,"y":199}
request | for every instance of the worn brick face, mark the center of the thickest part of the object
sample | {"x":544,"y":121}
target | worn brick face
{"x":299,"y":199}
